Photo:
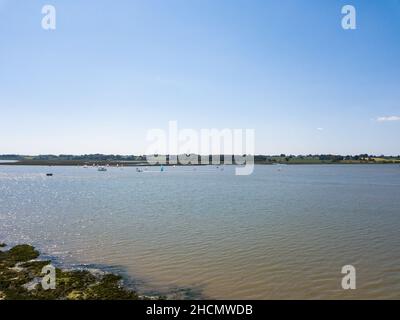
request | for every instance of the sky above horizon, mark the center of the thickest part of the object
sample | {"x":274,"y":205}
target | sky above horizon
{"x":112,"y":70}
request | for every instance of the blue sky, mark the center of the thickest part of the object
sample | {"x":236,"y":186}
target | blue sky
{"x":112,"y":70}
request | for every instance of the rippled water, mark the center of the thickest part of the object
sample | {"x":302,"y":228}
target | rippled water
{"x":279,"y":233}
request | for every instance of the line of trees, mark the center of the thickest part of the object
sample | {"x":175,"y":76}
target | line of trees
{"x":68,"y":157}
{"x":257,"y":158}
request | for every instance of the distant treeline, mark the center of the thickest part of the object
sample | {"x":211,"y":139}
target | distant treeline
{"x":70,"y":157}
{"x":328,"y":157}
{"x":258,"y":158}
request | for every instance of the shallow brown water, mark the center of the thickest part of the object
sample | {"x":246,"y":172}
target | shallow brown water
{"x":275,"y":234}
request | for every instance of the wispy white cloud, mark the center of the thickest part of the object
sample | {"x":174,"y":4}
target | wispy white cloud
{"x":388,"y":118}
{"x":320,"y":129}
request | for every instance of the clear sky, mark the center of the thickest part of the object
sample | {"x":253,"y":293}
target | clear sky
{"x":112,"y":70}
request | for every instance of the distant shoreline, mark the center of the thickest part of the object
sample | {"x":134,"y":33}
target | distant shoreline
{"x":72,"y":163}
{"x":78,"y":163}
{"x":171,"y":160}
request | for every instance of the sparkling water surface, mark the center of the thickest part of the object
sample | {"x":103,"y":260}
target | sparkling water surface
{"x":283,"y":232}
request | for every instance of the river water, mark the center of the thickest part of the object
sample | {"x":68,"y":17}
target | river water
{"x":283,"y":232}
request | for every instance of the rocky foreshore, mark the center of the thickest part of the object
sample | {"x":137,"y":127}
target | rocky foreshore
{"x":21,"y":275}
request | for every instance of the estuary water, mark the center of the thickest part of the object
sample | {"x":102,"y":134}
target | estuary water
{"x":283,"y":232}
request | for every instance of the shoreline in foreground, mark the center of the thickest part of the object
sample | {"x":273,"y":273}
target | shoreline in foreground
{"x":21,"y":275}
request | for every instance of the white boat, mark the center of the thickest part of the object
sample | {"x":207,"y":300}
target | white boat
{"x":101,"y":169}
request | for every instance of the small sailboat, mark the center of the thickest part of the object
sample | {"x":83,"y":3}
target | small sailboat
{"x":161,"y":168}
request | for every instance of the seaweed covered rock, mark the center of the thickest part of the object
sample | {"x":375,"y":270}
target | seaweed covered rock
{"x":19,"y":253}
{"x":20,"y":279}
{"x":110,"y":288}
{"x":12,"y":278}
